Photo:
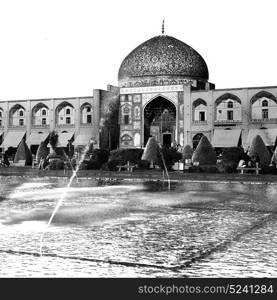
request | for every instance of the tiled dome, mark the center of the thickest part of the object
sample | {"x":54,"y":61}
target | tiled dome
{"x":162,"y":57}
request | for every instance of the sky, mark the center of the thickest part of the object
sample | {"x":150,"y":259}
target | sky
{"x":67,"y":48}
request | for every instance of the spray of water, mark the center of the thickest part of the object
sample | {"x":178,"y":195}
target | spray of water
{"x":60,"y":201}
{"x":166,"y":171}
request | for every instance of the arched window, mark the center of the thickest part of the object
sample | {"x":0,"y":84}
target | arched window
{"x":228,"y":108}
{"x":263,"y":106}
{"x":230,"y":104}
{"x":86,"y":113}
{"x":17,"y":115}
{"x":65,"y":114}
{"x":40,"y":115}
{"x":265,"y":103}
{"x":199,"y":113}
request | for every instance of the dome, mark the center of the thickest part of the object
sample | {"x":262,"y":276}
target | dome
{"x":162,"y":60}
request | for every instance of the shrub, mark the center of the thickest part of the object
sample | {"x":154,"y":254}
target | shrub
{"x":187,"y":153}
{"x":258,"y":149}
{"x":230,"y":159}
{"x":42,"y":152}
{"x":194,"y":169}
{"x":53,"y":139}
{"x":204,"y":153}
{"x":274,"y":157}
{"x":208,"y":169}
{"x":171,"y":155}
{"x":100,"y":155}
{"x":133,"y":155}
{"x":23,"y":153}
{"x":94,"y":164}
{"x":113,"y":163}
{"x":143,"y":165}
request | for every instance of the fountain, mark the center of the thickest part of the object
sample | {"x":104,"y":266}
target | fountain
{"x":61,"y":199}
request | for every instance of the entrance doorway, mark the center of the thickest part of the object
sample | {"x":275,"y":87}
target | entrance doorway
{"x":160,"y":121}
{"x":166,"y":139}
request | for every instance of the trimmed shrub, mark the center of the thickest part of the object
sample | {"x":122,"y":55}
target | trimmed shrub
{"x":143,"y":165}
{"x":204,"y":153}
{"x":133,"y":155}
{"x":171,"y":156}
{"x":23,"y":153}
{"x":42,"y":152}
{"x":258,"y":149}
{"x":53,"y":138}
{"x":94,"y":164}
{"x":187,"y":153}
{"x":274,"y":157}
{"x":230,"y":159}
{"x":113,"y":163}
{"x":151,"y":150}
{"x":100,"y":155}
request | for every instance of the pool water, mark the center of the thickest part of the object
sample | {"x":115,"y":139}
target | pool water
{"x":137,"y":230}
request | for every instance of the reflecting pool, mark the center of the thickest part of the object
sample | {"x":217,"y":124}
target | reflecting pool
{"x":116,"y":229}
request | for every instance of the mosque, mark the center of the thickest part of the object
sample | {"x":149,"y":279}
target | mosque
{"x":163,"y":91}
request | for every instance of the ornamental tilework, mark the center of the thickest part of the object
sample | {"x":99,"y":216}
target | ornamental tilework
{"x":171,"y":96}
{"x":163,"y":55}
{"x":137,"y":125}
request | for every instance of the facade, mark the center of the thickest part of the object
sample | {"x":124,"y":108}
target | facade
{"x":163,"y":91}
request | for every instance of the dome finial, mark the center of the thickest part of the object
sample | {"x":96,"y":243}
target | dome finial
{"x":163,"y":27}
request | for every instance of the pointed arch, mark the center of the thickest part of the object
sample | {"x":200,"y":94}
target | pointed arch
{"x":198,"y":102}
{"x":39,"y":106}
{"x":17,"y":115}
{"x":199,"y":110}
{"x":159,"y":115}
{"x":63,"y":105}
{"x":228,"y":108}
{"x":86,"y":113}
{"x":65,"y":114}
{"x":262,"y":94}
{"x":40,"y":115}
{"x":227,"y":96}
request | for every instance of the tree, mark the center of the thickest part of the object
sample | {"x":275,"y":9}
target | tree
{"x":258,"y":149}
{"x":23,"y":153}
{"x":204,"y":153}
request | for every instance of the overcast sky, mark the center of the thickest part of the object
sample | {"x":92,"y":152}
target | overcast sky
{"x":63,"y":48}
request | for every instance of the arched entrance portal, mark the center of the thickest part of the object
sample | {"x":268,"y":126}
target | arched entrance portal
{"x":160,"y":121}
{"x":196,"y":139}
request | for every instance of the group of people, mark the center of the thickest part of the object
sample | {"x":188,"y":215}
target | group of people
{"x":249,"y":162}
